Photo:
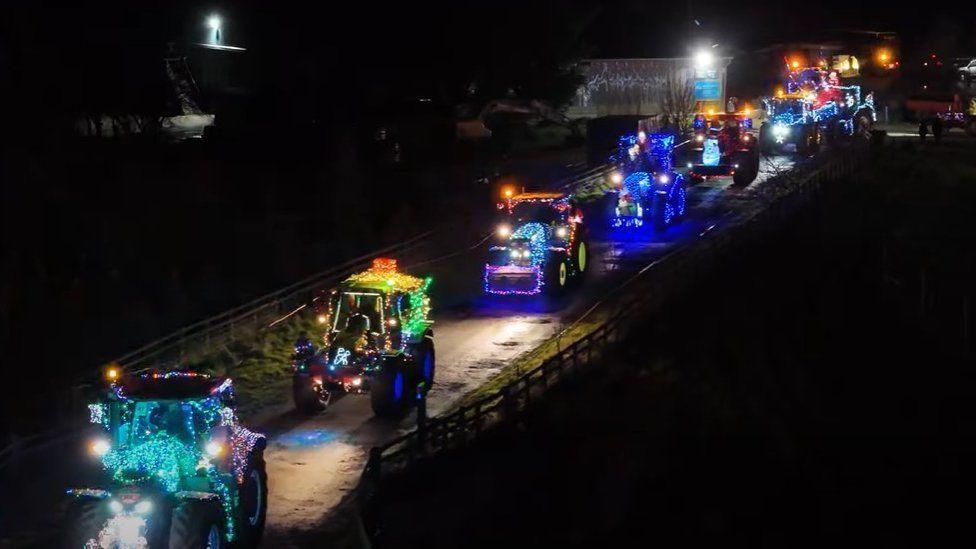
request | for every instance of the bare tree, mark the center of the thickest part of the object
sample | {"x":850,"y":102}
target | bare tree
{"x":677,"y":99}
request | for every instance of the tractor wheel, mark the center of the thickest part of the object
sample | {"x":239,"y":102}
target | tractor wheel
{"x":86,"y":518}
{"x":581,"y":258}
{"x":253,"y":507}
{"x":748,"y":169}
{"x":197,"y":525}
{"x":557,"y":274}
{"x":767,"y":148}
{"x":389,"y":391}
{"x":308,"y":398}
{"x":425,"y":363}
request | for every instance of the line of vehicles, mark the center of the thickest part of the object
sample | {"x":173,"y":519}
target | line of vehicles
{"x":181,"y":470}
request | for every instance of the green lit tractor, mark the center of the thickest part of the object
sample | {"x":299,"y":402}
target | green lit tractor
{"x":378,"y":340}
{"x":180,"y":469}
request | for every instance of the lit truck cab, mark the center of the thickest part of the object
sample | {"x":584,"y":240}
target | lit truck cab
{"x":180,"y":469}
{"x":378,"y":340}
{"x":539,"y":245}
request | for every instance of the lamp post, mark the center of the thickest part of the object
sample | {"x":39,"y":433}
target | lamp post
{"x":214,"y":23}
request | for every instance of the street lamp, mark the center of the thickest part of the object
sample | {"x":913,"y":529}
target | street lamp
{"x":214,"y":23}
{"x":704,"y":59}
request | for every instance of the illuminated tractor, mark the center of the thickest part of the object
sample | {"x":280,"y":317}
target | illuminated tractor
{"x":540,"y":245}
{"x":814,"y":107}
{"x":180,"y":469}
{"x":378,"y":340}
{"x":649,"y":190}
{"x":723,"y":146}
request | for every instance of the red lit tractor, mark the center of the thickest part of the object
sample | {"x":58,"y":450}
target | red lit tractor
{"x":723,"y":146}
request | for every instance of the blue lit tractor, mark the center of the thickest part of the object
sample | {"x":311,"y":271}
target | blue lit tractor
{"x":814,"y":108}
{"x":180,"y":470}
{"x":648,"y":188}
{"x":540,"y":245}
{"x":722,"y":146}
{"x":378,"y":340}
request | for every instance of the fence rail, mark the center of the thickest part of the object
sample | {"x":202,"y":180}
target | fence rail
{"x":658,"y":281}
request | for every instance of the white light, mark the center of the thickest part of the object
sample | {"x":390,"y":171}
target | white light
{"x":143,"y":507}
{"x":616,"y":177}
{"x":780,"y":131}
{"x":115,"y":506}
{"x":99,"y":447}
{"x":504,"y":230}
{"x":515,"y":253}
{"x":214,"y":448}
{"x":689,"y":164}
{"x":321,"y":319}
{"x":699,"y":138}
{"x":561,"y":232}
{"x":663,"y":178}
{"x":129,"y":529}
{"x":704,"y":59}
{"x":357,"y":382}
{"x":213,"y":22}
{"x":735,"y":166}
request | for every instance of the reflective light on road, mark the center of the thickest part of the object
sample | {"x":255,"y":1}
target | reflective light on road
{"x":299,"y":438}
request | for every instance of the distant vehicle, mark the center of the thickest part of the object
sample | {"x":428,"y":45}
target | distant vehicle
{"x":540,"y":245}
{"x":948,"y":107}
{"x":722,"y":145}
{"x":649,"y":189}
{"x":814,"y":106}
{"x":967,"y":72}
{"x":182,"y":470}
{"x":378,"y":339}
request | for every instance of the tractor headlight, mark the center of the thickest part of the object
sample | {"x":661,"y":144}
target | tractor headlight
{"x":616,"y":178}
{"x":143,"y":507}
{"x":699,"y":138}
{"x":504,"y":230}
{"x":663,"y":178}
{"x":115,"y":506}
{"x":781,"y":131}
{"x":99,"y":447}
{"x":516,"y":253}
{"x":214,"y":448}
{"x":561,"y":232}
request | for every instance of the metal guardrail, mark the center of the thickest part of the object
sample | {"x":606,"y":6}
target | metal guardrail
{"x":665,"y":277}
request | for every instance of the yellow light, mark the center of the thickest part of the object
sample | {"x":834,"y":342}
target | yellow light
{"x":711,"y":111}
{"x":504,"y":230}
{"x":746,"y":111}
{"x":795,"y":64}
{"x":321,"y":319}
{"x":112,"y":374}
{"x":779,"y":92}
{"x":699,"y":138}
{"x":508,"y":192}
{"x":616,"y":178}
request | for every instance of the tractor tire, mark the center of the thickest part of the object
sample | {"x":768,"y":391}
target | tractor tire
{"x":197,"y":525}
{"x":748,"y":169}
{"x":307,"y":399}
{"x":389,"y":390}
{"x":85,"y":519}
{"x":253,"y":508}
{"x":971,"y":128}
{"x":581,"y":259}
{"x":765,"y":147}
{"x":557,"y":274}
{"x":425,"y":362}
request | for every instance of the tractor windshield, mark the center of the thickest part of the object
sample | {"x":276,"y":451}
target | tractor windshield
{"x":151,"y":418}
{"x":359,"y":308}
{"x":537,"y":212}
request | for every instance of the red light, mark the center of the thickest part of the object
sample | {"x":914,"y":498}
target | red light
{"x":385,"y":264}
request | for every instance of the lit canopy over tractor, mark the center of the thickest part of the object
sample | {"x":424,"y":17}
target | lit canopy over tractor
{"x":383,"y":276}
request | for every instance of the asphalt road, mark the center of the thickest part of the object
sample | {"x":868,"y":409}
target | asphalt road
{"x":313,"y":461}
